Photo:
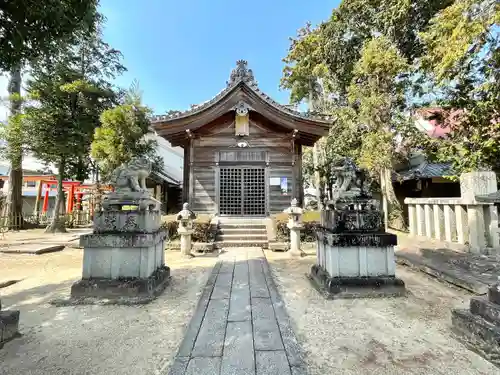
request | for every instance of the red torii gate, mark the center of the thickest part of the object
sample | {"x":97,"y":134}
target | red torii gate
{"x":73,"y":188}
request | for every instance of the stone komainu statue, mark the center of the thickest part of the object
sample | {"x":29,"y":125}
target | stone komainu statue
{"x":349,"y":180}
{"x":131,"y":177}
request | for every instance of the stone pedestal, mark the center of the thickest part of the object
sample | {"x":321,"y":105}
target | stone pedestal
{"x":295,"y":225}
{"x":479,"y":326}
{"x":123,"y":258}
{"x":185,"y":219}
{"x":295,"y":249}
{"x":186,"y":244}
{"x":356,"y":265}
{"x":9,"y":325}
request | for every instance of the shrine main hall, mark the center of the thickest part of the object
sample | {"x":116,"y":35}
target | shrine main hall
{"x":242,"y":149}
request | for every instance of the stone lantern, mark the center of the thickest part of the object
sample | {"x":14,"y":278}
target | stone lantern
{"x":295,"y":225}
{"x":185,"y":219}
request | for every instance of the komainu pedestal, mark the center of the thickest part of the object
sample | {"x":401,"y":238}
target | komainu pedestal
{"x":479,"y":326}
{"x":355,"y":256}
{"x":123,"y":259}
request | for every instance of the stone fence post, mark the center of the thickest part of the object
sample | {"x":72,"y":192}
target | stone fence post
{"x":185,"y":219}
{"x":477,"y":188}
{"x":295,"y":225}
{"x":471,"y":219}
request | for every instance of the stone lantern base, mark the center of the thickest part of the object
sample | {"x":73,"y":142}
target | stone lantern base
{"x":479,"y":326}
{"x":356,"y":265}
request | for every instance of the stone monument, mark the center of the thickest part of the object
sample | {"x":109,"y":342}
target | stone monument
{"x":479,"y":326}
{"x":295,"y":225}
{"x":123,"y":259}
{"x":9,"y":325}
{"x":355,"y":256}
{"x":185,"y":219}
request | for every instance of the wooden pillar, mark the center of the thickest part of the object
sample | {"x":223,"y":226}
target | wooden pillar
{"x":185,"y":180}
{"x":71,"y":196}
{"x":165,"y":196}
{"x":39,"y":185}
{"x":317,"y":177}
{"x":191,"y":174}
{"x":79,"y":198}
{"x":300,"y":181}
{"x":46,"y":200}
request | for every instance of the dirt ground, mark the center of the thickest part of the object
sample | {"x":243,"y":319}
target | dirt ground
{"x":386,"y":336}
{"x":93,"y":339}
{"x":409,"y":335}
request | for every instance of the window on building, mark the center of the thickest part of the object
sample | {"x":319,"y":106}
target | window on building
{"x":30,"y":183}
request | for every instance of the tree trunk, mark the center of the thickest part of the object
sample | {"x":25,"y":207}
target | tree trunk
{"x":317,"y":176}
{"x":58,"y":224}
{"x":14,"y":201}
{"x":393,"y":212}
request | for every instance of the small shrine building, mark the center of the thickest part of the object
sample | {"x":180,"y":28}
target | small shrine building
{"x":242,"y":150}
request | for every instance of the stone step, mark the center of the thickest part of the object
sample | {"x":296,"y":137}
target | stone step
{"x":241,"y":226}
{"x":224,"y":219}
{"x":249,"y":231}
{"x":237,"y":237}
{"x":242,"y":243}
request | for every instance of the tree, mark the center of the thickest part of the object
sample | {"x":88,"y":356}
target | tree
{"x":70,"y":91}
{"x":463,"y":59}
{"x":123,"y":134}
{"x":30,"y":29}
{"x":359,"y":63}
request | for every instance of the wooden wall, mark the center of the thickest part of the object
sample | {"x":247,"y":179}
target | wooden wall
{"x":204,"y":163}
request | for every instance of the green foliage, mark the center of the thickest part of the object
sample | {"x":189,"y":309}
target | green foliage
{"x":377,"y":93}
{"x":456,"y":37}
{"x":69,"y":91}
{"x":304,"y":64}
{"x":68,"y":96}
{"x":14,"y":133}
{"x":121,"y":135}
{"x":30,"y":29}
{"x":330,"y":52}
{"x":357,"y":67}
{"x":463,"y":57}
{"x":310,"y":220}
{"x":203,"y":231}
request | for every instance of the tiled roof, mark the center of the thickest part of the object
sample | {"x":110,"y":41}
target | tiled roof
{"x":241,"y":74}
{"x":424,"y":170}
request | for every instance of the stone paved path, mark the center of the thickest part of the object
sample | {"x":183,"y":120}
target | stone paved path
{"x":240,"y":326}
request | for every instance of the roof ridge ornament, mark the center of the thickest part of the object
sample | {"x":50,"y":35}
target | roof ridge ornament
{"x":241,"y":73}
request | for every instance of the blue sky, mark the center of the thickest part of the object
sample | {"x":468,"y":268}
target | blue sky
{"x":182,"y":52}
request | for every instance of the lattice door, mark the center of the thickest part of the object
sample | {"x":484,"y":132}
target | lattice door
{"x":230,"y":191}
{"x":242,"y":191}
{"x":254,"y":192}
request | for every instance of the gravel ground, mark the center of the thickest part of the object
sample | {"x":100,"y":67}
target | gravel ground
{"x":401,"y":336}
{"x":93,"y":339}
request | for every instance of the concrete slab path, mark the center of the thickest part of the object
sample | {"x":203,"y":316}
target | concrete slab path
{"x":240,"y":326}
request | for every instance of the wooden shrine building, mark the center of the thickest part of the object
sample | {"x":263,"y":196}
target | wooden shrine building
{"x":242,"y":150}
